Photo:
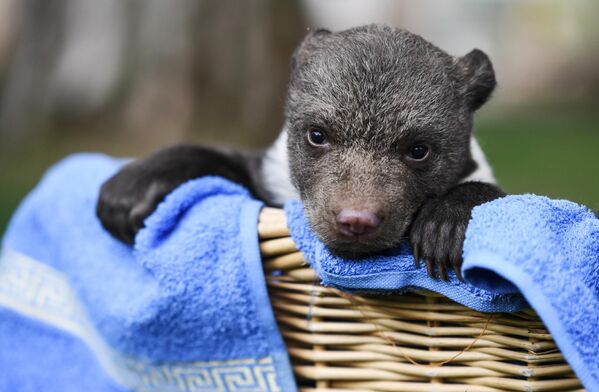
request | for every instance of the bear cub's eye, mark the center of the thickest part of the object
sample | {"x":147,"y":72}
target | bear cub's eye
{"x":317,"y":137}
{"x":418,"y":152}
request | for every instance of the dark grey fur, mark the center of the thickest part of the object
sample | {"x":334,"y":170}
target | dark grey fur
{"x":377,"y":91}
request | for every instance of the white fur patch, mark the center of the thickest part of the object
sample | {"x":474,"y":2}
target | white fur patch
{"x":275,"y":171}
{"x":483,"y":172}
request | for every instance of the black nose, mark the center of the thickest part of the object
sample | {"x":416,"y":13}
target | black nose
{"x":353,"y":223}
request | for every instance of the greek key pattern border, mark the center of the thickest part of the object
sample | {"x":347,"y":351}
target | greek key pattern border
{"x":36,"y":290}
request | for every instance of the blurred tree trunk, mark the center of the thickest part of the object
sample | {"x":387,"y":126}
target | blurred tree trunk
{"x":159,"y":102}
{"x":24,"y":94}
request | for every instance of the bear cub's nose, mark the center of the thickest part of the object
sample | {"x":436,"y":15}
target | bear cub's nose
{"x":353,"y":223}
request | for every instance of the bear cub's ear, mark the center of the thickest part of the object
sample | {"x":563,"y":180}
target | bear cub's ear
{"x":478,"y":78}
{"x":309,"y":45}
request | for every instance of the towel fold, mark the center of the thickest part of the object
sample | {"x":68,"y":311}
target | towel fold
{"x":393,"y":272}
{"x":519,"y":250}
{"x":549,"y":249}
{"x":186,"y":310}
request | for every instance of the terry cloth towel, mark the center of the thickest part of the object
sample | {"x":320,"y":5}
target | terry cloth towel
{"x":186,"y":310}
{"x":395,"y":271}
{"x":517,"y":249}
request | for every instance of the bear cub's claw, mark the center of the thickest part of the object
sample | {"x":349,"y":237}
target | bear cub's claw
{"x":437,"y":232}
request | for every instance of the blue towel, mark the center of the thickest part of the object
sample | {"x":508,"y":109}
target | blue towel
{"x":186,"y":310}
{"x":549,"y":249}
{"x":519,"y":250}
{"x":395,"y":271}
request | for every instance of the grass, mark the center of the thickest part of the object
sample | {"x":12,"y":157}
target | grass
{"x":544,"y":152}
{"x":548,"y":154}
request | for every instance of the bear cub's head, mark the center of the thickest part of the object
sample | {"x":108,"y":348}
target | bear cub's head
{"x":378,"y":119}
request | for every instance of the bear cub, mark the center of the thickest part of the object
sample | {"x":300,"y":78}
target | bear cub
{"x":377,"y":143}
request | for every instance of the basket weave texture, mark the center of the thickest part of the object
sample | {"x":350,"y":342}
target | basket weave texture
{"x":413,"y":342}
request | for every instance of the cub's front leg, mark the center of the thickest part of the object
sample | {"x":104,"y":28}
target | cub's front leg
{"x":437,"y":232}
{"x":133,"y":193}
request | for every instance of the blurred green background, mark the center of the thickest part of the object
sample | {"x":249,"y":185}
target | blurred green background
{"x":126,"y":77}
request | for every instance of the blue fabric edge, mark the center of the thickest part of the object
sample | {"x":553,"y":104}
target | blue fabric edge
{"x":497,"y":264}
{"x":255,"y":272}
{"x":414,"y":279}
{"x":44,"y":328}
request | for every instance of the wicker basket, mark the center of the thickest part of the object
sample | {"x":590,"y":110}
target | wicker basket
{"x":411,"y":342}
